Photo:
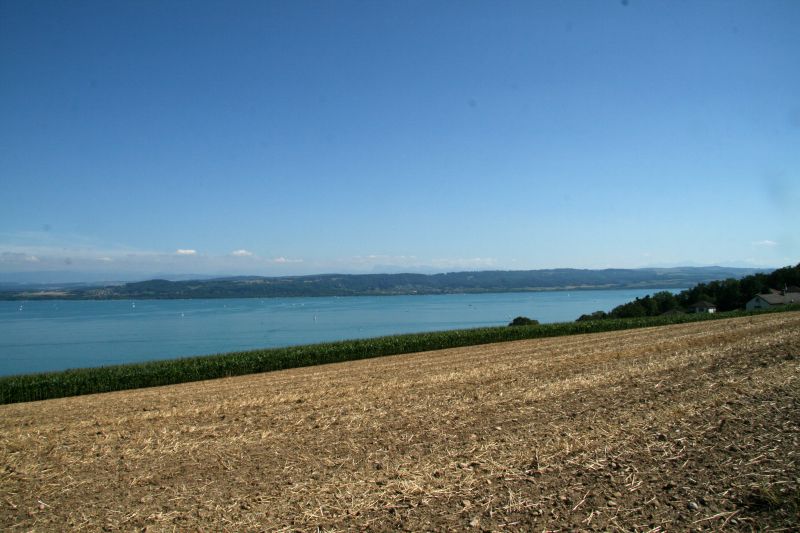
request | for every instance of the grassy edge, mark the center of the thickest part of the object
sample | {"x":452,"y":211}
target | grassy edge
{"x":44,"y":386}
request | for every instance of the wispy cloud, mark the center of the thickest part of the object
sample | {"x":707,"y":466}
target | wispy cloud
{"x":413,"y":263}
{"x":16,"y":257}
{"x":49,"y":251}
{"x":467,"y":263}
{"x":765,"y":242}
{"x":386,"y":259}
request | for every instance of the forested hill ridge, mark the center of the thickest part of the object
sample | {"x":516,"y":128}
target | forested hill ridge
{"x":389,"y":284}
{"x":724,"y":295}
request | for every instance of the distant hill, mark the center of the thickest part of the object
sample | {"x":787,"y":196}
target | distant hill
{"x":389,"y":284}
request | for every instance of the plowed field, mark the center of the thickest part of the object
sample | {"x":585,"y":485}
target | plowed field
{"x":687,"y":427}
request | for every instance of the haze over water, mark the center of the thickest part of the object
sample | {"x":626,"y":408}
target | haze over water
{"x":47,"y":335}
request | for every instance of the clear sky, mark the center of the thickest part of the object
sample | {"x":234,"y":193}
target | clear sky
{"x":234,"y":137}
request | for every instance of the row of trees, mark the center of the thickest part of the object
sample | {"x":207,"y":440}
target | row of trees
{"x":727,"y":295}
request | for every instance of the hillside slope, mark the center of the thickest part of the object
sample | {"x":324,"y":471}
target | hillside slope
{"x":387,"y":284}
{"x":693,"y":426}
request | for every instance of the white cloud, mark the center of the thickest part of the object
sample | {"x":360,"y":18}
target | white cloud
{"x":284,"y":260}
{"x":181,"y":251}
{"x":242,"y":253}
{"x":765,"y":242}
{"x":105,"y":259}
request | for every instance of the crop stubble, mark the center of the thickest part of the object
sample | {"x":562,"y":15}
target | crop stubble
{"x":693,"y":426}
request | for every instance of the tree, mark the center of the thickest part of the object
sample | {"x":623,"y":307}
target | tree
{"x":524,"y":321}
{"x":665,"y":301}
{"x":727,"y":295}
{"x":597,"y":315}
{"x":629,"y":310}
{"x":784,"y":277}
{"x":749,"y":286}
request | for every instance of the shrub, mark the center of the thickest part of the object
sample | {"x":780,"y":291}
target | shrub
{"x":597,"y":315}
{"x":524,"y":321}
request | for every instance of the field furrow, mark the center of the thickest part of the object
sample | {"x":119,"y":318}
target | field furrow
{"x":691,"y":426}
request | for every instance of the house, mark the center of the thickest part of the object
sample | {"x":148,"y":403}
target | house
{"x":773,"y":299}
{"x":702,"y":307}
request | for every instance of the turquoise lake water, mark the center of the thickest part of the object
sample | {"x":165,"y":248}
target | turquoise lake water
{"x":39,"y":336}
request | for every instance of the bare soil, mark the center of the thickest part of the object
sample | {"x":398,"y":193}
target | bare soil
{"x":687,"y":427}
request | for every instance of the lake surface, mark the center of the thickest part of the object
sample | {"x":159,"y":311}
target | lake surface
{"x":47,"y":335}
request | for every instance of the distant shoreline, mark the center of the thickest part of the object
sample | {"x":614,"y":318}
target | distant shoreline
{"x":53,"y":296}
{"x":327,"y":285}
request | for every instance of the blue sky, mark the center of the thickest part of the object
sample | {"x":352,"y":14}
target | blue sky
{"x":302,"y":137}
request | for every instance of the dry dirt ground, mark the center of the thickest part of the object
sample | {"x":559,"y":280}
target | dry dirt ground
{"x":688,"y":427}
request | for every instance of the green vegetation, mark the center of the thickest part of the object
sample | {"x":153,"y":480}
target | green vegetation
{"x":31,"y":387}
{"x":524,"y":321}
{"x":728,"y":295}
